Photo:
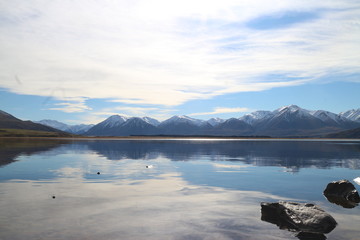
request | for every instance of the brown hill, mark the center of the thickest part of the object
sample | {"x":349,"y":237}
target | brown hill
{"x":353,"y":133}
{"x":7,"y":121}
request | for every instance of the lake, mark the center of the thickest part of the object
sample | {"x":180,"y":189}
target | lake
{"x":167,"y":189}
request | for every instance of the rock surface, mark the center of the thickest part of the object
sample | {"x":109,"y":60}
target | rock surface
{"x":342,"y":193}
{"x":298,"y":217}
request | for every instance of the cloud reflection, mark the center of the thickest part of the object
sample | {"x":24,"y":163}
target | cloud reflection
{"x":166,"y":207}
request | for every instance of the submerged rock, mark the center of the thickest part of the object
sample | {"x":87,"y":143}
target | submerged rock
{"x":342,"y":193}
{"x":306,"y":219}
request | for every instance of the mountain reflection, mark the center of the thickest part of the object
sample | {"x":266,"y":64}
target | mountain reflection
{"x":292,"y":155}
{"x":11,"y":148}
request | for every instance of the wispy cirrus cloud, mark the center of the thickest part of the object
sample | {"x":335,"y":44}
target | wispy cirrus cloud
{"x":71,"y":107}
{"x":221,"y":110}
{"x":170,"y":52}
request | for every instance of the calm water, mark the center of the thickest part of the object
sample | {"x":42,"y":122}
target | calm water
{"x":167,"y":189}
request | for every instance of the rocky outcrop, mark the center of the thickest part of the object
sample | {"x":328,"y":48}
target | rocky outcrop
{"x":342,"y":193}
{"x":305,"y":219}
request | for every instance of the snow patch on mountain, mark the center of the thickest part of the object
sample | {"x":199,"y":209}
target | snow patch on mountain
{"x":135,"y":122}
{"x":76,"y":129}
{"x":151,"y":121}
{"x":291,"y":111}
{"x":254,"y":117}
{"x":184,"y":119}
{"x":327,"y":116}
{"x":353,"y":114}
{"x":215,"y":121}
{"x":54,"y":124}
{"x":113,"y":121}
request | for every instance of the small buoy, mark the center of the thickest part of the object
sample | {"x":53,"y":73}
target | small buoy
{"x":53,"y":197}
{"x":98,"y":173}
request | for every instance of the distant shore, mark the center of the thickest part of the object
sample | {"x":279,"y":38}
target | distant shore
{"x":179,"y":138}
{"x":23,"y":133}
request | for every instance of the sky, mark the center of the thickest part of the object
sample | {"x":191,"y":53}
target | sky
{"x":85,"y":60}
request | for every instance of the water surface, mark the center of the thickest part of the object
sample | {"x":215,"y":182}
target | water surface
{"x":167,"y":189}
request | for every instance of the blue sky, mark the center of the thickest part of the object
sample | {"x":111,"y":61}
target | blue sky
{"x":82,"y":61}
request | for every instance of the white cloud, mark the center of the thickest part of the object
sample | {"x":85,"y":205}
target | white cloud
{"x":71,"y":107}
{"x":169,"y":52}
{"x":136,"y":111}
{"x":131,"y":111}
{"x":220,"y":110}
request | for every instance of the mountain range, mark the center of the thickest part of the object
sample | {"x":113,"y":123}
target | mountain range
{"x":74,"y":129}
{"x":288,"y":121}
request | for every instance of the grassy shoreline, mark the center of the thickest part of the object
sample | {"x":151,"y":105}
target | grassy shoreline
{"x":23,"y":133}
{"x":7,"y":132}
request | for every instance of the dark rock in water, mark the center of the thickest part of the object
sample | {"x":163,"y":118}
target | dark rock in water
{"x":310,"y":221}
{"x":310,"y":236}
{"x":342,"y":193}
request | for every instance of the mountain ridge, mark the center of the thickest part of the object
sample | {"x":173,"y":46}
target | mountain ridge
{"x":74,"y":129}
{"x":286,"y":121}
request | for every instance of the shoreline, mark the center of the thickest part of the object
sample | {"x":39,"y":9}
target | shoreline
{"x":187,"y":138}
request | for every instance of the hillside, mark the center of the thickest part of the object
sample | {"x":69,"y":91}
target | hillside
{"x":12,"y":126}
{"x":4,"y":132}
{"x":353,"y":133}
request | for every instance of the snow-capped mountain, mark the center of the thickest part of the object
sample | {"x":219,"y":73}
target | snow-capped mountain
{"x":290,"y":120}
{"x":334,"y":119}
{"x":75,"y":129}
{"x":55,"y":124}
{"x":255,"y":117}
{"x":113,"y":121}
{"x":215,"y":121}
{"x":151,"y":121}
{"x":183,"y":125}
{"x":327,"y":116}
{"x":106,"y":127}
{"x":292,"y":110}
{"x":233,"y":127}
{"x":117,"y":125}
{"x":135,"y":126}
{"x":353,"y":115}
{"x":183,"y":119}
